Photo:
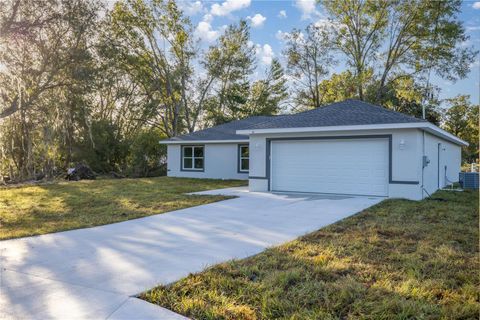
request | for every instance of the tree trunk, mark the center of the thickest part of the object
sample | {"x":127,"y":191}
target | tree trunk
{"x":360,"y":83}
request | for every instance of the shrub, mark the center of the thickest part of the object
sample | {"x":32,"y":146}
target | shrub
{"x":108,"y":150}
{"x":147,"y":157}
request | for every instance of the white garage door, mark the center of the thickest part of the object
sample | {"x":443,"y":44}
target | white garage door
{"x":350,"y":166}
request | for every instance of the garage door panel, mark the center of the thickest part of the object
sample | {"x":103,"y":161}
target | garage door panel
{"x":350,"y":166}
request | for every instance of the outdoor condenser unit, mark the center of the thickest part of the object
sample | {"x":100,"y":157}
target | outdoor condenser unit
{"x":468,"y":180}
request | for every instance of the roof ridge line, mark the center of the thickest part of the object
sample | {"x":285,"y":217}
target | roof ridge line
{"x":267,"y":120}
{"x":324,"y":106}
{"x":389,"y":110}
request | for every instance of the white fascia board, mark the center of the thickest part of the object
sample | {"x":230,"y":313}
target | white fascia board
{"x":202,"y":141}
{"x":329,"y":128}
{"x":433,"y":129}
{"x":412,"y":125}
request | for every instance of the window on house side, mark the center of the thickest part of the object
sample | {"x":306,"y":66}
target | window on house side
{"x":244,"y":158}
{"x":193,"y":158}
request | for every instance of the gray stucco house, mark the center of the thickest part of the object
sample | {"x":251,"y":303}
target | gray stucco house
{"x":350,"y":147}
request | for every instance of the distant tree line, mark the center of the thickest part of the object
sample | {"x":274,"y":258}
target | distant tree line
{"x":83,"y":83}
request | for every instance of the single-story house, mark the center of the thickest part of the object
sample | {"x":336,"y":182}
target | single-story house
{"x":350,"y":147}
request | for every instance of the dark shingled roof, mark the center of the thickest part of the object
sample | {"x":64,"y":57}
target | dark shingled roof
{"x":345,"y":113}
{"x":226,"y":131}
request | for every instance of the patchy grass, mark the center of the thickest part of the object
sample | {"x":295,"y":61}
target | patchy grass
{"x":397,"y":260}
{"x":38,"y":209}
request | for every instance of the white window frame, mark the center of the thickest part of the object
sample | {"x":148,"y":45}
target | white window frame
{"x":193,"y":157}
{"x":240,"y":158}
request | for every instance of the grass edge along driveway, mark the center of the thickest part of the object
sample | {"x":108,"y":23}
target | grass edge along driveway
{"x":399,"y":259}
{"x":39,"y":209}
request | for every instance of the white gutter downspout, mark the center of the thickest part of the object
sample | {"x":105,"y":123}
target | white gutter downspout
{"x":423,"y":145}
{"x":423,"y":161}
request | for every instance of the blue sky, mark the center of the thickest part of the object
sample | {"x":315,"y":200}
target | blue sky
{"x":270,"y":18}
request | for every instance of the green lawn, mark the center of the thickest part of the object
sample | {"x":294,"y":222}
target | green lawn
{"x":397,"y":260}
{"x":39,"y":209}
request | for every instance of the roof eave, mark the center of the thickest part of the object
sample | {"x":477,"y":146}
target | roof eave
{"x":433,"y":129}
{"x":202,"y":141}
{"x":427,"y":126}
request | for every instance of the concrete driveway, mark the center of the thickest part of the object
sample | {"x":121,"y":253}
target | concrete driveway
{"x":95,"y":273}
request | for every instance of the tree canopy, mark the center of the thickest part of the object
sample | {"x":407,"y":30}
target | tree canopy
{"x":80,"y":82}
{"x":461,"y":118}
{"x":399,"y":39}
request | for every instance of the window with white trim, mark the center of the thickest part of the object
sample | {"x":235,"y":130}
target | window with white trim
{"x":243,"y":158}
{"x":192,"y":158}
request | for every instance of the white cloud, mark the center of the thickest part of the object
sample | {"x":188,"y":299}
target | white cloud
{"x":208,"y":17}
{"x":265,"y":53}
{"x":228,"y":7}
{"x":223,"y":28}
{"x":282,"y":14}
{"x":472,"y":28}
{"x":191,"y":8}
{"x":308,"y":8}
{"x":205,"y":31}
{"x":257,"y":20}
{"x":476,"y":5}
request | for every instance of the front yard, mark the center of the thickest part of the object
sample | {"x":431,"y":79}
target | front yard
{"x":397,"y":260}
{"x":38,"y":209}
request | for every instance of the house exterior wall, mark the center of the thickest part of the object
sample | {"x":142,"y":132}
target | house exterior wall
{"x":220,"y":162}
{"x":445,"y":163}
{"x":406,"y":159}
{"x":407,"y":149}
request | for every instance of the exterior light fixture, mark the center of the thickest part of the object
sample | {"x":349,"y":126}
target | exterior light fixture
{"x":402,"y":144}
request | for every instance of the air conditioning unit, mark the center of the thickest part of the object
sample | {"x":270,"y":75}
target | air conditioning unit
{"x":468,"y":180}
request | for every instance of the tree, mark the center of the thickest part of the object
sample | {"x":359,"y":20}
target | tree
{"x":406,"y":96}
{"x":267,"y":95}
{"x":339,"y":87}
{"x":222,"y":90}
{"x":43,"y":51}
{"x":400,"y":39}
{"x":359,"y":27}
{"x":402,"y":95}
{"x":231,"y":61}
{"x":154,"y":41}
{"x":461,"y":119}
{"x":147,"y":156}
{"x":101,"y":147}
{"x":14,"y":22}
{"x":79,"y":88}
{"x":309,"y":57}
{"x":34,"y":50}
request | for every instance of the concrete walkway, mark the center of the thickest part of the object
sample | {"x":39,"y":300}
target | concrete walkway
{"x":95,"y":273}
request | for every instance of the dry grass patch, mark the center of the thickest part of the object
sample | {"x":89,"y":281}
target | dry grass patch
{"x":397,"y":260}
{"x":38,"y":209}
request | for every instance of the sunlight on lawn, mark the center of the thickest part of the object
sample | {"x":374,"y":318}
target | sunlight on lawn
{"x":39,"y":209}
{"x":397,"y":260}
